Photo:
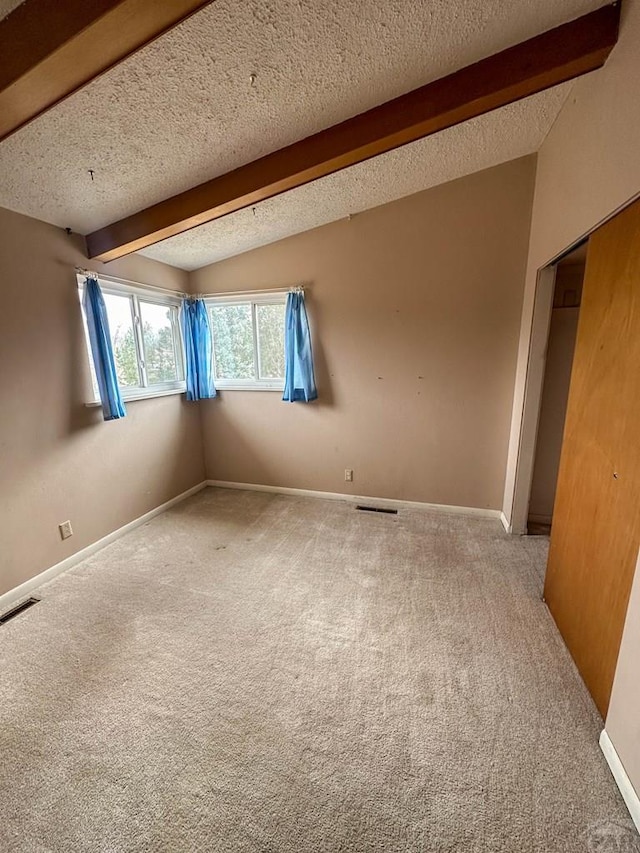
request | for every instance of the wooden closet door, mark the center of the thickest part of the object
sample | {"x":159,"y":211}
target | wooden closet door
{"x":596,"y":522}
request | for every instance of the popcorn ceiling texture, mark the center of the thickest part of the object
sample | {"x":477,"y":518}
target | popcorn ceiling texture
{"x":183,"y":110}
{"x":454,"y":153}
{"x":7,"y":6}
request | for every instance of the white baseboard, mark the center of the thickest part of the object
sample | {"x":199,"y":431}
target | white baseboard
{"x":505,"y":522}
{"x":29,"y":586}
{"x":390,"y":503}
{"x":622,"y":780}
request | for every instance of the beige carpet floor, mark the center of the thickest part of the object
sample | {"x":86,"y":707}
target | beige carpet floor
{"x":252,"y":672}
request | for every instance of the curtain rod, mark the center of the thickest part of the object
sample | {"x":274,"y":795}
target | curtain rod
{"x":296,"y":289}
{"x":113,"y":278}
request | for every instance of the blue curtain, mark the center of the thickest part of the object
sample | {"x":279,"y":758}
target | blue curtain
{"x":102,"y":351}
{"x":299,"y":381}
{"x":196,"y":333}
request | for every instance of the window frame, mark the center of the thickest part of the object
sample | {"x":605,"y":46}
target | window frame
{"x":153,"y":296}
{"x":274,"y":297}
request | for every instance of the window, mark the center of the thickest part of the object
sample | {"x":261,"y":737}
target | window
{"x":248,"y":341}
{"x":145,"y":334}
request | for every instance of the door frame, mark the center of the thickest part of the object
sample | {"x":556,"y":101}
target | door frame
{"x":522,"y":447}
{"x":532,"y":402}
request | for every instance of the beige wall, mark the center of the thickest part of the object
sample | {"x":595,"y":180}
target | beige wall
{"x":58,"y":459}
{"x":415,"y":311}
{"x":587,"y":168}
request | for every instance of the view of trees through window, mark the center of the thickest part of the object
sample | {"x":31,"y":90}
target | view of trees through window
{"x":232,"y":329}
{"x":157,"y":333}
{"x":271,"y":340}
{"x":248,"y":341}
{"x":233,"y":340}
{"x":159,"y":350}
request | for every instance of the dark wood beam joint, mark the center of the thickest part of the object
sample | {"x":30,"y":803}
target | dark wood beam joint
{"x":51,"y":48}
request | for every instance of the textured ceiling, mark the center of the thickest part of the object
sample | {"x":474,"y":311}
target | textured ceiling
{"x":7,"y":6}
{"x":183,"y":110}
{"x":494,"y":138}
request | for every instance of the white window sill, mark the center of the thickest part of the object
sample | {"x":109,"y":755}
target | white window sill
{"x":235,"y":387}
{"x":129,"y":399}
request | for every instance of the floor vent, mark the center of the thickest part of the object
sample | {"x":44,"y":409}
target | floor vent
{"x":24,"y":605}
{"x":377,"y":509}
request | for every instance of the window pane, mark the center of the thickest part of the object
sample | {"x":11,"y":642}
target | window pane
{"x":232,"y":341}
{"x":271,"y":340}
{"x":122,"y":338}
{"x":159,"y":349}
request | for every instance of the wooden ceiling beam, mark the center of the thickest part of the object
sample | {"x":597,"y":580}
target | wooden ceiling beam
{"x":554,"y":57}
{"x":51,"y":48}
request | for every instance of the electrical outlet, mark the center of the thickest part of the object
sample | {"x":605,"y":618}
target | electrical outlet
{"x":66,"y":530}
{"x":348,"y":475}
